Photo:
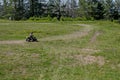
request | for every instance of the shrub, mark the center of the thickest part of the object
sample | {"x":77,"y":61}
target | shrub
{"x":62,"y":18}
{"x":54,"y":19}
{"x":49,"y":18}
{"x":41,"y":19}
{"x":119,"y":20}
{"x":80,"y":19}
{"x":66,"y":19}
{"x":32,"y":18}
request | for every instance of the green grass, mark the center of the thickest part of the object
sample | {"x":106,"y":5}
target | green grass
{"x":59,"y":59}
{"x":19,"y":30}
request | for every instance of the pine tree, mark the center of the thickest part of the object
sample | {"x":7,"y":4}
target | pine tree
{"x":117,"y":4}
{"x":18,"y":9}
{"x":109,"y":6}
{"x":54,"y":8}
{"x":98,"y":10}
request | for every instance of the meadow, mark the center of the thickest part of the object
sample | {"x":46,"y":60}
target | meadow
{"x":86,"y":50}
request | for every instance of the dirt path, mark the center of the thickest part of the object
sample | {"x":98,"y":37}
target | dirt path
{"x":12,"y":42}
{"x":94,"y":37}
{"x":74,"y":35}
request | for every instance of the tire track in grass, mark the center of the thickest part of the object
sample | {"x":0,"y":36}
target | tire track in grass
{"x":12,"y":42}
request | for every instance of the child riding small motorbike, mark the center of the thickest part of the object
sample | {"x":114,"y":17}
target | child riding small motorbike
{"x":31,"y":38}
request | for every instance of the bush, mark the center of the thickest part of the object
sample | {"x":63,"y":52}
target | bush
{"x":48,"y":18}
{"x":76,"y":19}
{"x":119,"y":20}
{"x":62,"y":19}
{"x":80,"y":19}
{"x":66,"y":19}
{"x":54,"y":19}
{"x":32,"y":18}
{"x":41,"y":19}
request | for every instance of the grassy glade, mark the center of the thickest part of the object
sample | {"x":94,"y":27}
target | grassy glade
{"x":59,"y":59}
{"x":19,"y":30}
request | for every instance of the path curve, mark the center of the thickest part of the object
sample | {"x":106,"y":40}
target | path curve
{"x":74,"y":35}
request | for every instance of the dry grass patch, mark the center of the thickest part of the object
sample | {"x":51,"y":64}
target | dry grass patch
{"x":89,"y":59}
{"x":90,"y":51}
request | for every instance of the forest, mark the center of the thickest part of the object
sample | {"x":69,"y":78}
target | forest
{"x":60,"y":9}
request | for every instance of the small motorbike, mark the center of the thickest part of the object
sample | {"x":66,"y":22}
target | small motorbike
{"x":31,"y":39}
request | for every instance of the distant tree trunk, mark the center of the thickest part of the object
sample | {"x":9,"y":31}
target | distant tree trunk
{"x":68,"y":9}
{"x":73,"y":8}
{"x":117,"y":3}
{"x":5,"y":6}
{"x":18,"y":9}
{"x":109,"y":4}
{"x":59,"y":10}
{"x":32,"y":8}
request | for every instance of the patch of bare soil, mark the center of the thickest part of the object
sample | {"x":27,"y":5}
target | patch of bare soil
{"x":12,"y":42}
{"x":87,"y":50}
{"x":83,"y":50}
{"x":85,"y":60}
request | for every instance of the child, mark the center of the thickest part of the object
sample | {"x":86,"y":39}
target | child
{"x":31,"y":38}
{"x":31,"y":35}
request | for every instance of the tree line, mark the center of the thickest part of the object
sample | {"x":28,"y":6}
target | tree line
{"x":84,"y":9}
